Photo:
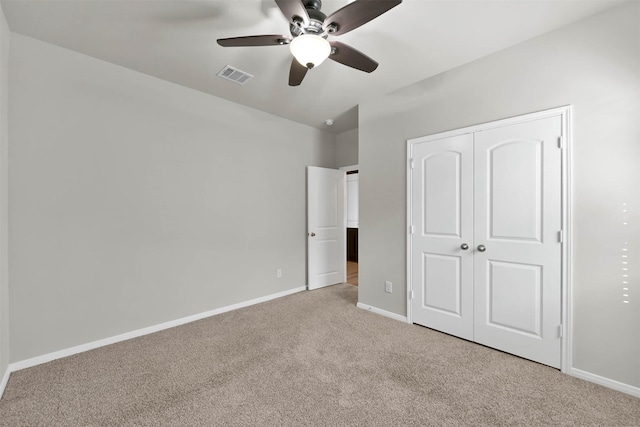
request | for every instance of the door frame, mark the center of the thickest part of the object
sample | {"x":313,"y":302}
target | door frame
{"x":566,"y":206}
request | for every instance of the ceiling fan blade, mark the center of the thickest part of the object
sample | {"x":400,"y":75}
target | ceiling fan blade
{"x":292,"y":9}
{"x":351,"y":57}
{"x":270,"y":40}
{"x":358,"y":13}
{"x":297,"y":73}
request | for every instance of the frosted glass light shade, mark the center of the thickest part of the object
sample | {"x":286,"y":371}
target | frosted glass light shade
{"x":310,"y":50}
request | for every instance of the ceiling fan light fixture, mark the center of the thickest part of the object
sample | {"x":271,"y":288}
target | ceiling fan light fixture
{"x":310,"y":50}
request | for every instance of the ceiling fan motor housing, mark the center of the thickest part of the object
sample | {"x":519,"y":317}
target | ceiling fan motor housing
{"x":316,"y":19}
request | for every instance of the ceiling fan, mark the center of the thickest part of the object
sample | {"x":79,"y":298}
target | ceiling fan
{"x":310,"y":29}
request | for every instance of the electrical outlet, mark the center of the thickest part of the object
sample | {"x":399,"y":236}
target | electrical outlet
{"x":388,"y":286}
{"x":279,"y":273}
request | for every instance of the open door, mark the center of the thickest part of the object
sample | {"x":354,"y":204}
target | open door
{"x":325,"y":227}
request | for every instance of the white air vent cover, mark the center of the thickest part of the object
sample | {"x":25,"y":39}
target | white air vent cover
{"x":234,"y":75}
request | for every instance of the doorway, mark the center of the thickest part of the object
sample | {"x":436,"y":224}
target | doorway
{"x":352,"y":215}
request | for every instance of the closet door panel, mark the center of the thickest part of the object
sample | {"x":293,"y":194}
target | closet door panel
{"x":442,"y":215}
{"x":517,"y":258}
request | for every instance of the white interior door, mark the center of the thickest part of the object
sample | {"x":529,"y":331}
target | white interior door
{"x":442,"y":207}
{"x":518,"y":251}
{"x":496,"y":192}
{"x":325,"y":227}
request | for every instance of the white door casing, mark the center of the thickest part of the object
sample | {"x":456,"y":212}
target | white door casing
{"x":325,"y":227}
{"x":516,"y":208}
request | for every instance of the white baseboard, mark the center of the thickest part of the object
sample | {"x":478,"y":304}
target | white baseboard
{"x":4,"y":381}
{"x":383,"y":312}
{"x":38,"y":360}
{"x":616,"y":385}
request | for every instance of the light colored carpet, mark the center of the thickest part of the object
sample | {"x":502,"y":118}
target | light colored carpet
{"x":312,"y":358}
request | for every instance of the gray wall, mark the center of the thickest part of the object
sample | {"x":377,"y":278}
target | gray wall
{"x":134,"y":201}
{"x":4,"y":175}
{"x":347,"y":148}
{"x":593,"y":65}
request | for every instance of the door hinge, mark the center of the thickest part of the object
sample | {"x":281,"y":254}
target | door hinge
{"x":411,"y":163}
{"x":411,"y":294}
{"x":560,"y":142}
{"x":560,"y":236}
{"x":560,"y":331}
{"x":411,"y":229}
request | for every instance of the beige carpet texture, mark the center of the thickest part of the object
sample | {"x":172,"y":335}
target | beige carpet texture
{"x":309,"y":359}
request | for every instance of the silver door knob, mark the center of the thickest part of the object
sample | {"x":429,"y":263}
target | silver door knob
{"x":481,"y":248}
{"x":464,"y":246}
{"x":312,"y":234}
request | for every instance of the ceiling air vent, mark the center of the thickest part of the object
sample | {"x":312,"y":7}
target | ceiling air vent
{"x":234,"y":75}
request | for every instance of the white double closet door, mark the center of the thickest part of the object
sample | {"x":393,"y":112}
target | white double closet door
{"x":485,"y":249}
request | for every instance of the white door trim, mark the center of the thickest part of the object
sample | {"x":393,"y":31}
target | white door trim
{"x":567,"y":188}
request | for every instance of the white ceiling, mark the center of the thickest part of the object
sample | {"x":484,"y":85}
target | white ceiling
{"x":175,"y":40}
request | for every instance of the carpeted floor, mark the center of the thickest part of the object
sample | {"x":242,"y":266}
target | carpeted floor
{"x":312,"y":358}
